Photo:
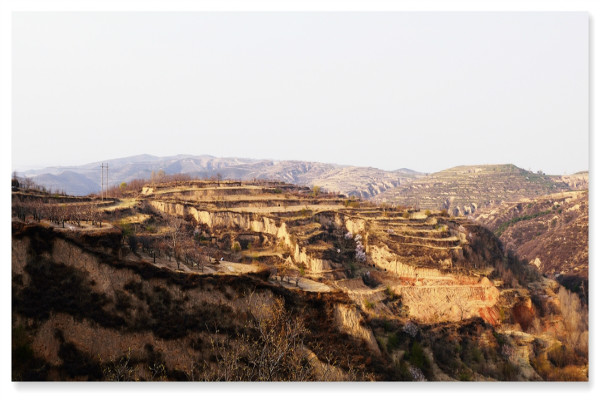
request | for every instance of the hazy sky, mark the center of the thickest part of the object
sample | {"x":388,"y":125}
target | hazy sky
{"x":425,"y":91}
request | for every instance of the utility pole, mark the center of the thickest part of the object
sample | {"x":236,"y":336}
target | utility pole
{"x":102,"y":183}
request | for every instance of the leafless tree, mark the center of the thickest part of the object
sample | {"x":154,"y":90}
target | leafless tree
{"x":175,"y":236}
{"x":274,"y":353}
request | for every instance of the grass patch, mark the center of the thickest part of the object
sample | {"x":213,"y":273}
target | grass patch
{"x":513,"y":221}
{"x":416,"y":356}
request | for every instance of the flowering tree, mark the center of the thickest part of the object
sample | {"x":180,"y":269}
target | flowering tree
{"x":360,"y":254}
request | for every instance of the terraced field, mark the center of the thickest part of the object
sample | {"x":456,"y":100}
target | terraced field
{"x":318,"y":237}
{"x":466,"y":189}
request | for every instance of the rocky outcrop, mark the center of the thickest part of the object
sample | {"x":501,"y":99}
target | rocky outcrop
{"x":449,"y":302}
{"x":386,"y":260}
{"x":351,"y":322}
{"x":578,"y":181}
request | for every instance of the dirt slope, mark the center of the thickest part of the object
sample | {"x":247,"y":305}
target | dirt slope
{"x":550,"y":232}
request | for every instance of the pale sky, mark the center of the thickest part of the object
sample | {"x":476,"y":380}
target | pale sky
{"x":425,"y":91}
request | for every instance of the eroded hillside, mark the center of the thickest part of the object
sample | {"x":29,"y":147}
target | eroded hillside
{"x":550,"y":232}
{"x":465,"y":190}
{"x":187,"y":279}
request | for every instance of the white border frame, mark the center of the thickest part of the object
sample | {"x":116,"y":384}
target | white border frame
{"x":377,"y":390}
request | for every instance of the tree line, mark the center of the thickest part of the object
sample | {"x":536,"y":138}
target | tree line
{"x":57,"y":213}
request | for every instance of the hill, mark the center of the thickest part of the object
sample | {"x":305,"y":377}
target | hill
{"x":78,"y":184}
{"x":466,"y":189}
{"x":551,"y":232}
{"x":258,"y":280}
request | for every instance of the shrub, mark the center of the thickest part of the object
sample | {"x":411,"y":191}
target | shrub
{"x":445,"y":356}
{"x":509,"y":371}
{"x":570,"y":373}
{"x":476,"y":354}
{"x":126,"y":229}
{"x":465,"y":375}
{"x":402,"y":371}
{"x":390,"y":293}
{"x":305,"y":212}
{"x":418,"y":358}
{"x":352,"y":269}
{"x":562,"y":356}
{"x":513,"y":221}
{"x":393,"y":342}
{"x":151,"y":228}
{"x":235,"y":246}
{"x":406,"y":214}
{"x":133,"y":243}
{"x":542,"y":366}
{"x":369,"y":305}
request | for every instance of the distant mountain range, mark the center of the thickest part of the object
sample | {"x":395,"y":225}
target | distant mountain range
{"x":358,"y":181}
{"x":461,"y":190}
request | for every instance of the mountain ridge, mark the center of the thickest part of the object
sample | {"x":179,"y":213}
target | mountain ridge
{"x":465,"y":189}
{"x":461,"y":190}
{"x":349,"y":180}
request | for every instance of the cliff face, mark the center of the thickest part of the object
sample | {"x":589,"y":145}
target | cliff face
{"x":432,"y":260}
{"x":248,"y":222}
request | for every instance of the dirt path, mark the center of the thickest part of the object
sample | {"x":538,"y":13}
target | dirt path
{"x":84,"y":228}
{"x":121,"y":204}
{"x":307,"y":285}
{"x":233,"y":268}
{"x":276,"y":209}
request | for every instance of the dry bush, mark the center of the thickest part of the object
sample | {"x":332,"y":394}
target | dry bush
{"x":549,"y":372}
{"x":120,"y":369}
{"x":270,"y":349}
{"x":567,"y":361}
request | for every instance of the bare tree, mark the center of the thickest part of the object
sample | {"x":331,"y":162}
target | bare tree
{"x":575,"y":321}
{"x":275,"y":352}
{"x":175,"y":236}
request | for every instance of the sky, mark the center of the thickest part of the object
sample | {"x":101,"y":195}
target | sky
{"x":425,"y":91}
